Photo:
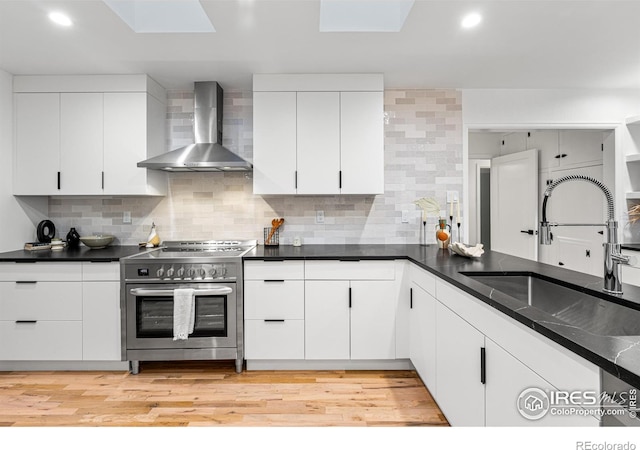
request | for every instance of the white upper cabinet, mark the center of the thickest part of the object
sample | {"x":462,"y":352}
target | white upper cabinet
{"x":274,"y":143}
{"x":37,"y":141}
{"x":318,"y":134}
{"x":83,"y":135}
{"x":81,"y":143}
{"x":318,"y":142}
{"x":362,"y":142}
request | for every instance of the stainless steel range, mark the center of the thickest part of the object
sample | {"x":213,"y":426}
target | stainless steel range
{"x":149,"y":280}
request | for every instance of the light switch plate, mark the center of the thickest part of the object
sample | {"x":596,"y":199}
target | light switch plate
{"x":405,"y":216}
{"x":319,"y":216}
{"x":452,"y":196}
{"x":126,"y":217}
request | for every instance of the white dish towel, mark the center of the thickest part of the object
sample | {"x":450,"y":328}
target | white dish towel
{"x":184,"y":313}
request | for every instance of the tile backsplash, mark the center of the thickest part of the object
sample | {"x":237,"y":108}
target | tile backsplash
{"x":423,"y":158}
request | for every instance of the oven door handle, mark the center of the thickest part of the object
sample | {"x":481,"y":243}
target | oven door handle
{"x":139,"y":292}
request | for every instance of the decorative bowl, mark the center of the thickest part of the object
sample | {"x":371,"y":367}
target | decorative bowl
{"x":97,"y":241}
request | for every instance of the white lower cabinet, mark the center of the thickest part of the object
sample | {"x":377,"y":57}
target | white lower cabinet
{"x":349,"y":319}
{"x":274,"y":339}
{"x":60,"y":312}
{"x":486,"y":361}
{"x":422,"y":328}
{"x":327,"y":322}
{"x":460,"y":387}
{"x":274,"y":310}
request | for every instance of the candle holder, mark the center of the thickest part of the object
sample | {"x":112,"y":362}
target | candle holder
{"x":423,"y":240}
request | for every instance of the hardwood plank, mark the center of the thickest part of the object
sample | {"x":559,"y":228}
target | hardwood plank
{"x":180,"y":394}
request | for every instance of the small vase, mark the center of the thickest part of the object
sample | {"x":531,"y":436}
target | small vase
{"x":73,"y":238}
{"x":443,"y":236}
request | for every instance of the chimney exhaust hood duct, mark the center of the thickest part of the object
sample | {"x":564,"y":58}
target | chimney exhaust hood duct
{"x":207,"y":153}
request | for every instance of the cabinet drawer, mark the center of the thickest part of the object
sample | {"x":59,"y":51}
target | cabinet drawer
{"x":40,"y":271}
{"x":100,"y":271}
{"x":274,"y":340}
{"x":42,"y":300}
{"x":422,"y":278}
{"x":282,"y":299}
{"x":41,"y":341}
{"x":349,"y":270}
{"x":274,"y":270}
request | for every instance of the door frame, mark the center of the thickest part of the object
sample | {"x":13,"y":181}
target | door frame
{"x":619,"y":164}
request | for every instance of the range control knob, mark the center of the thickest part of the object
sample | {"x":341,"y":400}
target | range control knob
{"x":170,"y":272}
{"x":191,"y":273}
{"x":213,"y":272}
{"x":160,"y":272}
{"x":203,"y":272}
{"x":180,"y":273}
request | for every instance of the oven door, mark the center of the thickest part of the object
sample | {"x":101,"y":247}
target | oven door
{"x":149,"y":316}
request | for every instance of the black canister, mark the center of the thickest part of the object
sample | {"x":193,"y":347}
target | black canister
{"x":73,"y":238}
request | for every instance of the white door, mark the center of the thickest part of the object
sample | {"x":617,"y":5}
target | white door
{"x":101,"y":320}
{"x":362,"y":142}
{"x":460,"y":388}
{"x":326,"y":319}
{"x":81,"y":143}
{"x":422,"y":347}
{"x":507,"y":378}
{"x":125,"y":142}
{"x":37,"y":141}
{"x":373,"y":323}
{"x":318,"y":142}
{"x":514,"y":204}
{"x":274,"y":142}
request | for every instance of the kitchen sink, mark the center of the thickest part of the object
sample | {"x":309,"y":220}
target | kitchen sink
{"x":570,"y":306}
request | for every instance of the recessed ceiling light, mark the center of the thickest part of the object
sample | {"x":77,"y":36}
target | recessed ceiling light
{"x":60,"y":18}
{"x":471,"y":20}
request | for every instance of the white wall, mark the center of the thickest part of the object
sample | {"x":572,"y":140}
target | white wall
{"x":558,"y":108}
{"x":18,"y":218}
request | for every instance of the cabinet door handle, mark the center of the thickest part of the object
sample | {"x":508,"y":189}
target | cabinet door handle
{"x":349,"y":297}
{"x":102,"y":179}
{"x":483,"y":366}
{"x":340,"y":179}
{"x":26,"y":321}
{"x":560,"y":263}
{"x":100,"y":261}
{"x":58,"y":180}
{"x":274,"y":281}
{"x":274,"y":320}
{"x":26,"y":282}
{"x":529,"y":232}
{"x":410,"y":298}
{"x":295,"y":178}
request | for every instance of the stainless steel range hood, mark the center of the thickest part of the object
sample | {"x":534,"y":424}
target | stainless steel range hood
{"x":207,"y":153}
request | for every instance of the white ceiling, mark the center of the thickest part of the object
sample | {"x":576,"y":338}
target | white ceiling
{"x":519,"y":44}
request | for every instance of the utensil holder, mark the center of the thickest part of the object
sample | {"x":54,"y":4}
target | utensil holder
{"x":271,"y":240}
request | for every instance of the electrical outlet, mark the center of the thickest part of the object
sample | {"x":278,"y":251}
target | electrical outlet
{"x":405,"y":216}
{"x":319,"y":216}
{"x":452,"y":196}
{"x":126,"y":217}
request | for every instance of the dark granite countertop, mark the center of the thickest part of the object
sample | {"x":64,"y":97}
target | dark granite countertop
{"x":111,"y":253}
{"x":618,"y":355}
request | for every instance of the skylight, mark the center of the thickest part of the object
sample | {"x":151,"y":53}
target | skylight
{"x":162,"y":16}
{"x":363,"y":15}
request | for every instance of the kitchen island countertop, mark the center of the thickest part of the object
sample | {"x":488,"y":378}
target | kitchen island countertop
{"x":618,"y":355}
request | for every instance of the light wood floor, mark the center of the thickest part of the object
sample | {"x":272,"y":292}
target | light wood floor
{"x":210,"y":394}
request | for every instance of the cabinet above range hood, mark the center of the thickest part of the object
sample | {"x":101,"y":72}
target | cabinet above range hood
{"x":207,"y":153}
